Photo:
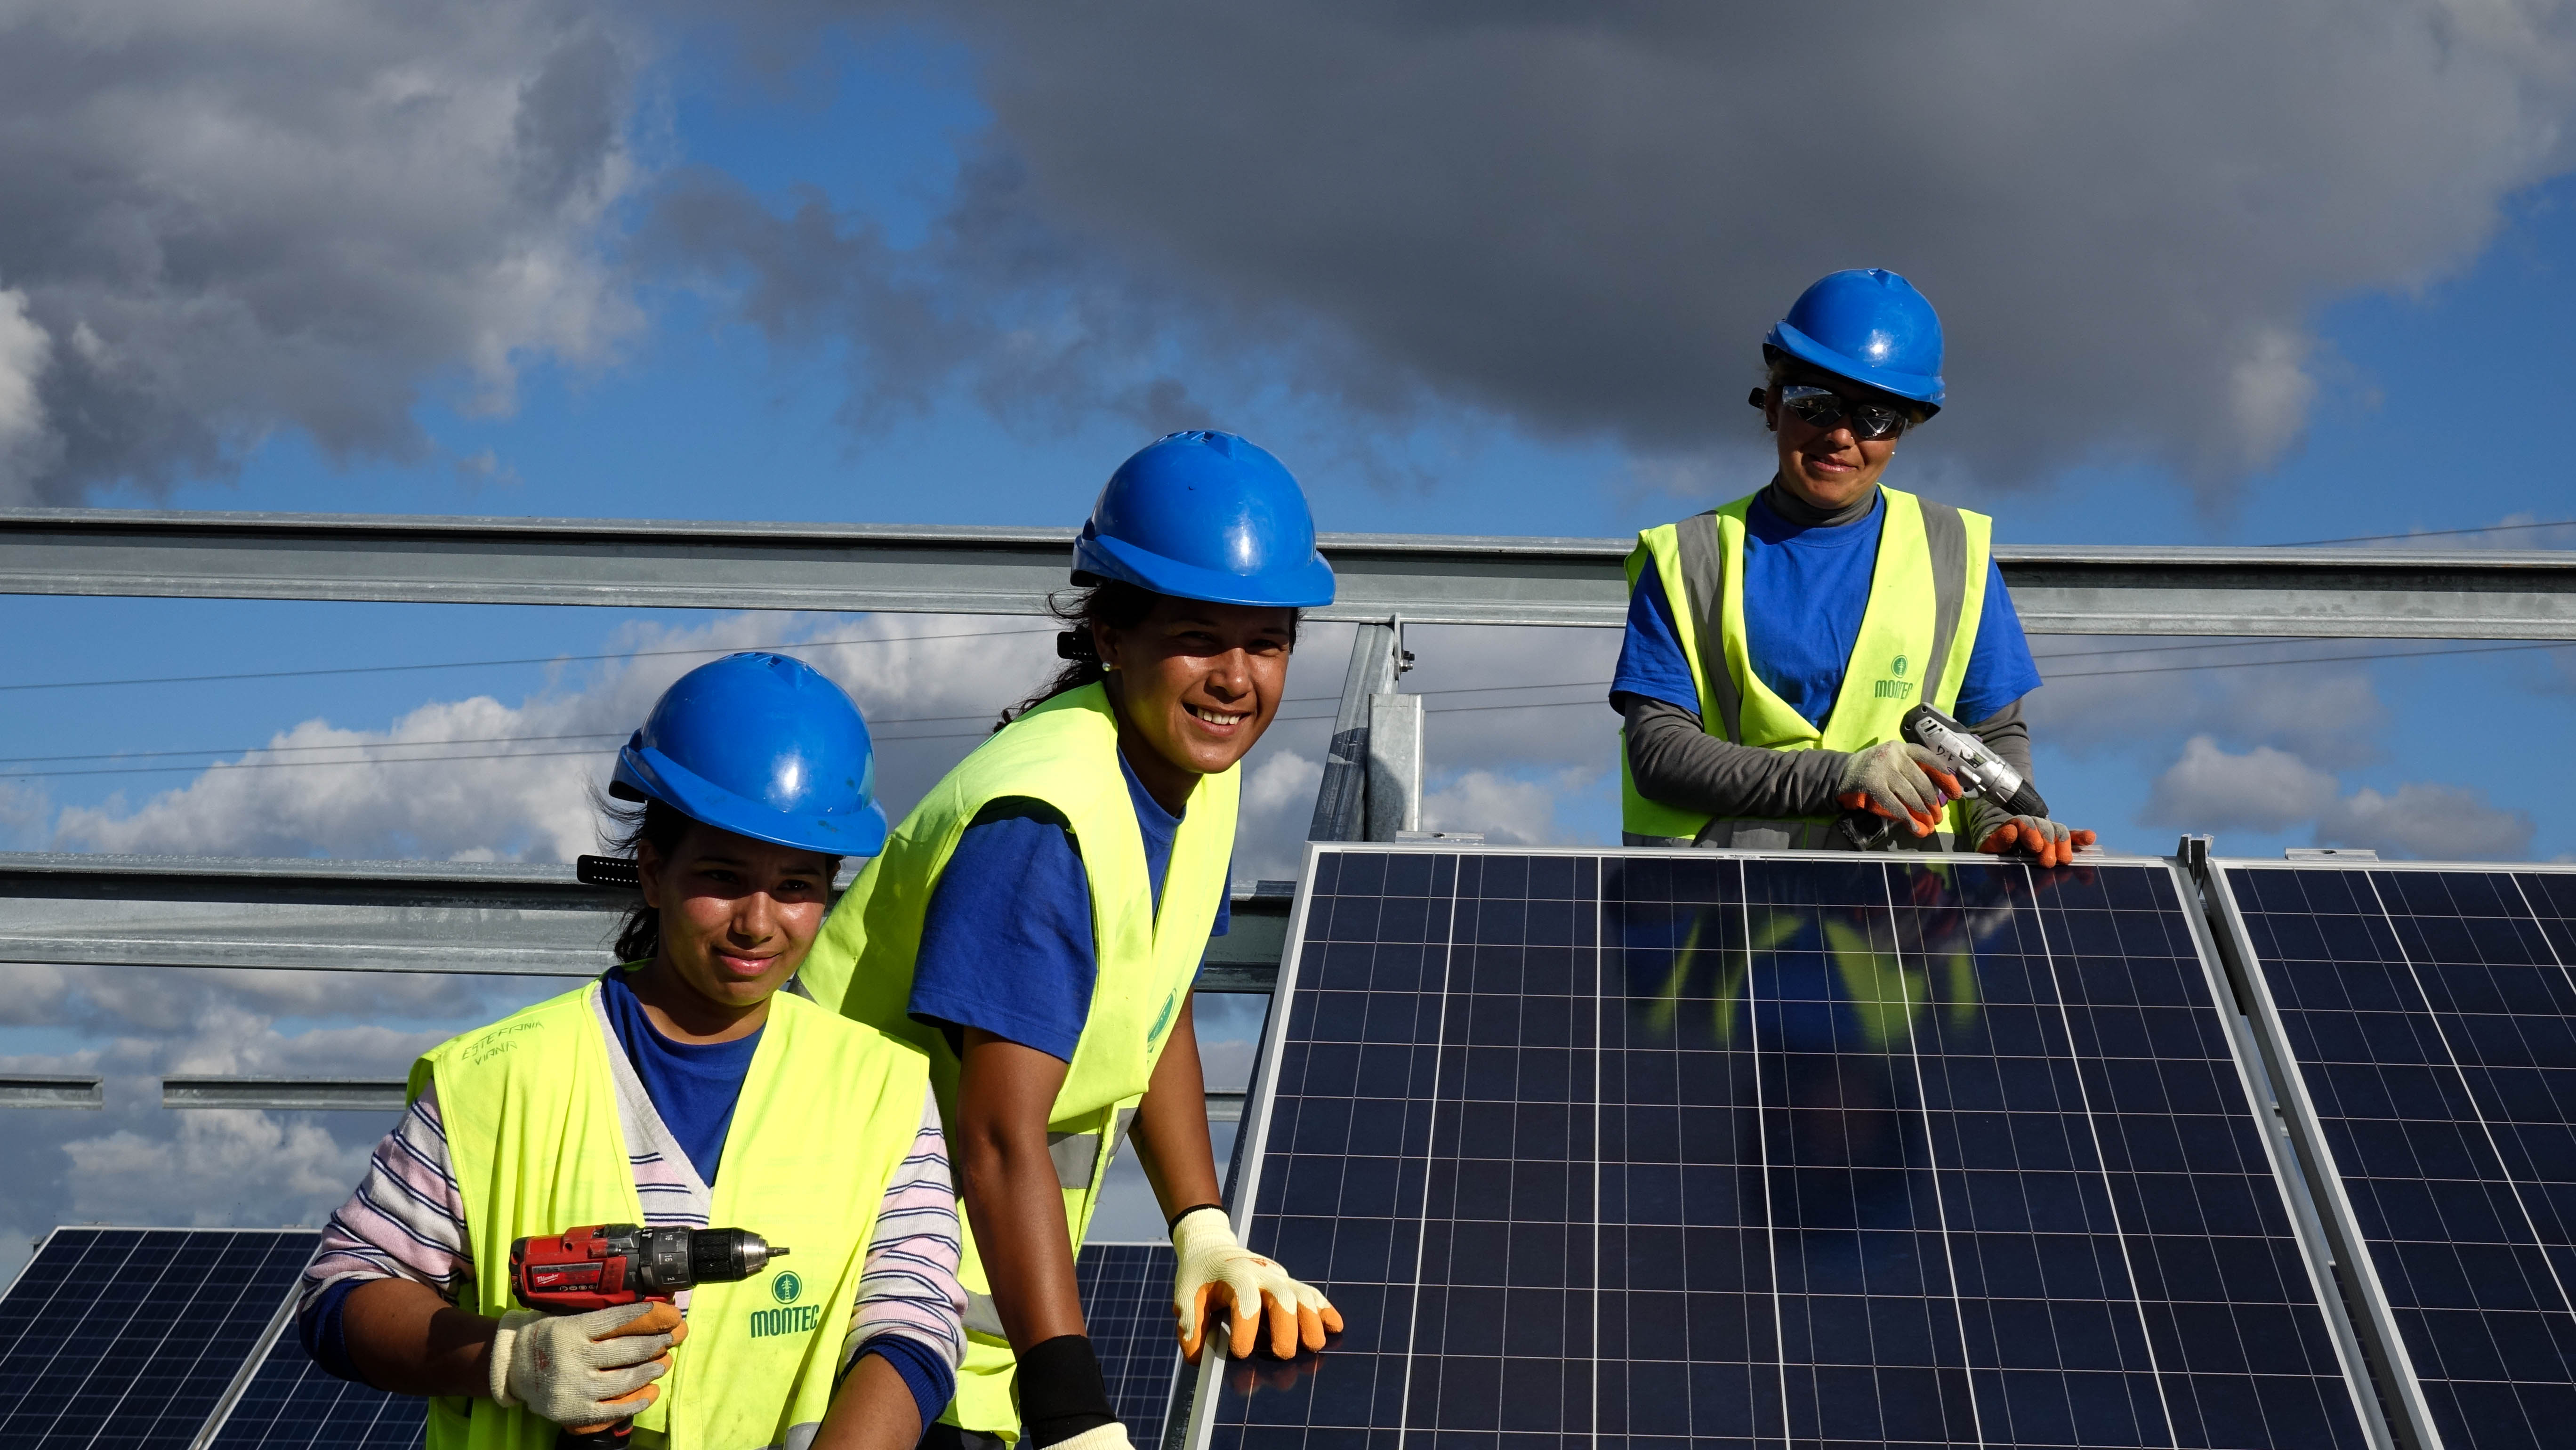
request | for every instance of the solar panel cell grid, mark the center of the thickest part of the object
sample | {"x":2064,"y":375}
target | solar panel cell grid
{"x":1126,"y":1305}
{"x":1652,"y":1149}
{"x":2433,"y":1022}
{"x":295,"y":1404}
{"x":129,"y":1337}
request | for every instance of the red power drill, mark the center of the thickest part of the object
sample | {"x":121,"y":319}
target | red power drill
{"x":600,"y":1266}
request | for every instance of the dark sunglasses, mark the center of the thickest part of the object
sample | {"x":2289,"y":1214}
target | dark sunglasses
{"x":1824,"y":408}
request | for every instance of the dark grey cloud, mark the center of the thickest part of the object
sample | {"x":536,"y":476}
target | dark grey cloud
{"x":219,"y":220}
{"x":1584,"y":217}
{"x":222,"y":220}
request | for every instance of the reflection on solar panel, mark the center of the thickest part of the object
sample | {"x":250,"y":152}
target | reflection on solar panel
{"x":293,"y":1403}
{"x":1127,"y":1306}
{"x":118,"y":1337}
{"x":2432,"y":1020}
{"x":1673,"y":1147}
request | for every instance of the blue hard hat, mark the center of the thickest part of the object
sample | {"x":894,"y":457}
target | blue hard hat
{"x":762,"y":746}
{"x":1870,"y":326}
{"x":1206,"y":515}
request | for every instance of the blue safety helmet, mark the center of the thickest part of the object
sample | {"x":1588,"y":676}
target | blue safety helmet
{"x":1871,"y":327}
{"x":762,"y":746}
{"x":1206,"y":515}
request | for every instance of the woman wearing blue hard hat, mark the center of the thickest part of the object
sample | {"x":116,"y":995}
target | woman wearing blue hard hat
{"x":682,"y":1089}
{"x":1036,"y":923}
{"x":1775,"y":644}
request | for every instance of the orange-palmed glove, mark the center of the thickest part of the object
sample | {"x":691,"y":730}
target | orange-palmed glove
{"x":580,"y":1370}
{"x":1215,"y":1269}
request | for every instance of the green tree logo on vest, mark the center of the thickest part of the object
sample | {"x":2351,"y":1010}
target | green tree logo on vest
{"x":792,"y":1318}
{"x":1899,"y":688}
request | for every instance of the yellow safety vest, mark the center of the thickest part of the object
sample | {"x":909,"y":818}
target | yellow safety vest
{"x":1926,"y":594}
{"x":1065,"y":753}
{"x":828,"y":1113}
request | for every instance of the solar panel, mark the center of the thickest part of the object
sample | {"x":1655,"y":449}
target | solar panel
{"x":1655,"y":1148}
{"x":293,"y":1403}
{"x":1127,"y":1307}
{"x":129,"y":1337}
{"x":2430,"y":1020}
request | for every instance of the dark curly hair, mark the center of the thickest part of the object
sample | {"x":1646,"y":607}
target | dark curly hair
{"x":1110,"y":604}
{"x":631,"y":826}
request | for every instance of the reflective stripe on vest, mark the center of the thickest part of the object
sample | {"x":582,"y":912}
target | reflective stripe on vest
{"x":1927,"y":592}
{"x":828,"y":1113}
{"x":1064,"y":753}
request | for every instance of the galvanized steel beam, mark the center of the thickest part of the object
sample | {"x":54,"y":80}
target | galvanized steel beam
{"x":292,"y":1094}
{"x":45,"y":1090}
{"x":393,"y":916}
{"x":383,"y":916}
{"x":2342,"y":592}
{"x":329,"y":1094}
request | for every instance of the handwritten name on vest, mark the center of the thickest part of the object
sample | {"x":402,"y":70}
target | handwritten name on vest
{"x":495,"y":1042}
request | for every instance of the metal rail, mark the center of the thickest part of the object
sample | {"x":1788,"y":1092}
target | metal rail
{"x":393,"y":916}
{"x":45,"y":1090}
{"x":2344,"y":592}
{"x":365,"y":1094}
{"x":295,"y":1094}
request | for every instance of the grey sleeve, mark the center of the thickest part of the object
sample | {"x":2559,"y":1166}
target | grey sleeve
{"x":1677,"y":763}
{"x":2007,"y":735}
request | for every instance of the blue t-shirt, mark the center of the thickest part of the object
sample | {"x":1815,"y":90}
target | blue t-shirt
{"x":1006,"y":944}
{"x":1805,"y":590}
{"x":693,"y":1085}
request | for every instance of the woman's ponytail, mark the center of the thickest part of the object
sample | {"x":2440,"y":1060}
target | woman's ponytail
{"x":1110,"y":604}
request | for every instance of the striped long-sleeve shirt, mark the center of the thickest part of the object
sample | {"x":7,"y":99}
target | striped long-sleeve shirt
{"x":407,"y":1220}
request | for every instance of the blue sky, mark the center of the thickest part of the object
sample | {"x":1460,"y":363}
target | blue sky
{"x":2423,"y":360}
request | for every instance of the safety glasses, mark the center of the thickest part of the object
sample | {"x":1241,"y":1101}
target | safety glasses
{"x":1824,"y":408}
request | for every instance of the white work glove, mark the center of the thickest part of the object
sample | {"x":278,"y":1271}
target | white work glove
{"x":582,"y":1370}
{"x":1112,"y":1436}
{"x":1213,"y":1267}
{"x":1899,"y":781}
{"x":2052,"y":842}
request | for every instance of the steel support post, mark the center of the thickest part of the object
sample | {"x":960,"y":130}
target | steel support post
{"x":1341,"y":803}
{"x":1394,"y":765}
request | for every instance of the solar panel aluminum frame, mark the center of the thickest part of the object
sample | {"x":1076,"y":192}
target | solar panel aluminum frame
{"x":1199,"y":1391}
{"x":2382,"y":1341}
{"x":2293,"y":1166}
{"x":250,"y":1367}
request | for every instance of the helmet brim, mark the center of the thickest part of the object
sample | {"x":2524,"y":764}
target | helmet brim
{"x":1304,"y":586}
{"x":1913,"y":387}
{"x":649,"y":774}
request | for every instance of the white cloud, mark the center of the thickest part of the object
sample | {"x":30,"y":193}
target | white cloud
{"x":242,"y":217}
{"x":220,"y":1166}
{"x":2431,"y":821}
{"x":2262,"y":790}
{"x":27,"y":446}
{"x":136,"y":1163}
{"x":2140,"y":700}
{"x":2269,"y":790}
{"x":1505,"y":810}
{"x":24,"y":810}
{"x":523,"y":792}
{"x":1278,"y":808}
